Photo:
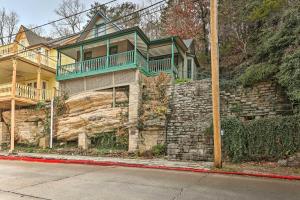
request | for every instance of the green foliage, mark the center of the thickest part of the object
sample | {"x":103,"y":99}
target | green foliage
{"x":275,"y":56}
{"x":60,"y":105}
{"x":257,"y":73}
{"x":159,"y":150}
{"x":264,"y":9}
{"x":289,"y":75}
{"x":182,"y":80}
{"x":110,"y":141}
{"x":261,"y":139}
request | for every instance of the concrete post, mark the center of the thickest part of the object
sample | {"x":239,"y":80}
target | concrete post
{"x":83,"y":141}
{"x":134,"y":100}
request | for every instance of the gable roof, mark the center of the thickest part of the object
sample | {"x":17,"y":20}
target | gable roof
{"x":92,"y":22}
{"x":188,"y":42}
{"x":32,"y":37}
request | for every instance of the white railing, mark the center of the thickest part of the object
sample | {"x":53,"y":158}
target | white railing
{"x":31,"y":55}
{"x":24,"y":91}
{"x":6,"y":50}
{"x":5,"y":90}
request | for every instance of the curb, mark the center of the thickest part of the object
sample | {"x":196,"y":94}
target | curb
{"x":122,"y":164}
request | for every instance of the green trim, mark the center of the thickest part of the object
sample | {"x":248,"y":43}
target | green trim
{"x":107,"y":53}
{"x":108,"y":36}
{"x":135,"y":47}
{"x":91,"y":73}
{"x":147,"y":58}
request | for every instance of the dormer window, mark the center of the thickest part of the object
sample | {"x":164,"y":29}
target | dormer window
{"x":100,"y":30}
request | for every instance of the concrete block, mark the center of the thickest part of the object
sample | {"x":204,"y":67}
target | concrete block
{"x":44,"y":142}
{"x":83,"y":141}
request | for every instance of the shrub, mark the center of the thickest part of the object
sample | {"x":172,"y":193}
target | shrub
{"x":257,"y":73}
{"x":159,"y":150}
{"x":262,"y":139}
{"x":110,"y":140}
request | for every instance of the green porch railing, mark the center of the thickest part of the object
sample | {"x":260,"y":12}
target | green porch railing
{"x":142,"y":62}
{"x":161,"y":65}
{"x":120,"y":61}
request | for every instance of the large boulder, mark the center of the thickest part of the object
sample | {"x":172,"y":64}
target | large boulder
{"x":91,"y":113}
{"x":29,"y":125}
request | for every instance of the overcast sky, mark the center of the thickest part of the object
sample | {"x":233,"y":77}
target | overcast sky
{"x":42,"y":11}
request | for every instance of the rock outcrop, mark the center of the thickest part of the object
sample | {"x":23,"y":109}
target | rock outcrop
{"x":91,"y":113}
{"x":29,"y":125}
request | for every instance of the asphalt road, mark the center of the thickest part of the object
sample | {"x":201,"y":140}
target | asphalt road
{"x":24,"y":181}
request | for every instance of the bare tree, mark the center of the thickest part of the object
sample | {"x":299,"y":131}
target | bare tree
{"x":11,"y":21}
{"x":8,"y":26}
{"x":151,"y":21}
{"x":39,"y":31}
{"x":71,"y":23}
{"x":2,"y":25}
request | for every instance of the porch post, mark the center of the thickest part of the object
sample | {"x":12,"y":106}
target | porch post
{"x":135,"y":47}
{"x":172,"y":59}
{"x":13,"y":106}
{"x":107,"y":53}
{"x":58,"y":62}
{"x":81,"y":58}
{"x":38,"y":82}
{"x":147,"y":59}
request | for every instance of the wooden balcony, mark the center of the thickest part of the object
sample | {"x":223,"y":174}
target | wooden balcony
{"x":25,"y":95}
{"x":116,"y":62}
{"x":27,"y":55}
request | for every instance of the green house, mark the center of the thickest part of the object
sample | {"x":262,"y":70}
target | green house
{"x":106,"y":55}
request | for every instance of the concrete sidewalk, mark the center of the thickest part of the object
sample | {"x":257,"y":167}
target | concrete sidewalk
{"x":199,"y":167}
{"x":137,"y":161}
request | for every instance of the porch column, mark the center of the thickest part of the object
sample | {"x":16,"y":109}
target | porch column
{"x":135,"y":47}
{"x":58,"y":62}
{"x":107,"y":53}
{"x":147,"y":59}
{"x":38,"y":79}
{"x":81,"y":58}
{"x":13,"y":106}
{"x":172,"y":59}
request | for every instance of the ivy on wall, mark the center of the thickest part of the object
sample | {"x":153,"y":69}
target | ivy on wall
{"x":265,"y":139}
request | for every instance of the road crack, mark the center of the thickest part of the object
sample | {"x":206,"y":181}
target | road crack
{"x":23,"y":195}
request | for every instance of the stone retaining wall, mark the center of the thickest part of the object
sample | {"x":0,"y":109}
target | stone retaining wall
{"x":190,"y":115}
{"x":264,"y":99}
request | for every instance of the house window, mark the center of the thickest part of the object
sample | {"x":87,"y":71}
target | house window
{"x":100,"y":30}
{"x":113,"y":50}
{"x":189,"y":68}
{"x":87,"y":55}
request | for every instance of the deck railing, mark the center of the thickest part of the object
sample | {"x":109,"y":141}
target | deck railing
{"x":6,"y":50}
{"x":96,"y":64}
{"x":115,"y":62}
{"x":24,"y":91}
{"x":161,"y":65}
{"x":31,"y":55}
{"x":5,"y":90}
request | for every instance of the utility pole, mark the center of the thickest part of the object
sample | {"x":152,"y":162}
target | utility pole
{"x":214,"y":44}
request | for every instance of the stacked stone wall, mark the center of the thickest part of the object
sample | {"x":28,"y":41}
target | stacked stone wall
{"x":190,"y":116}
{"x":265,"y":99}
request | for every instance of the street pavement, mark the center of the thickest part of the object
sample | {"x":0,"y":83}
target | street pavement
{"x":25,"y":181}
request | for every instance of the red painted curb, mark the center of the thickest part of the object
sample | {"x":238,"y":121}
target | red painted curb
{"x":121,"y":164}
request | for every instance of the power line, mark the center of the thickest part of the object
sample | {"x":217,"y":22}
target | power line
{"x":112,"y":21}
{"x":51,"y":22}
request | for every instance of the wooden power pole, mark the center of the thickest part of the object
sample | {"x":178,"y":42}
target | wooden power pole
{"x":215,"y":81}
